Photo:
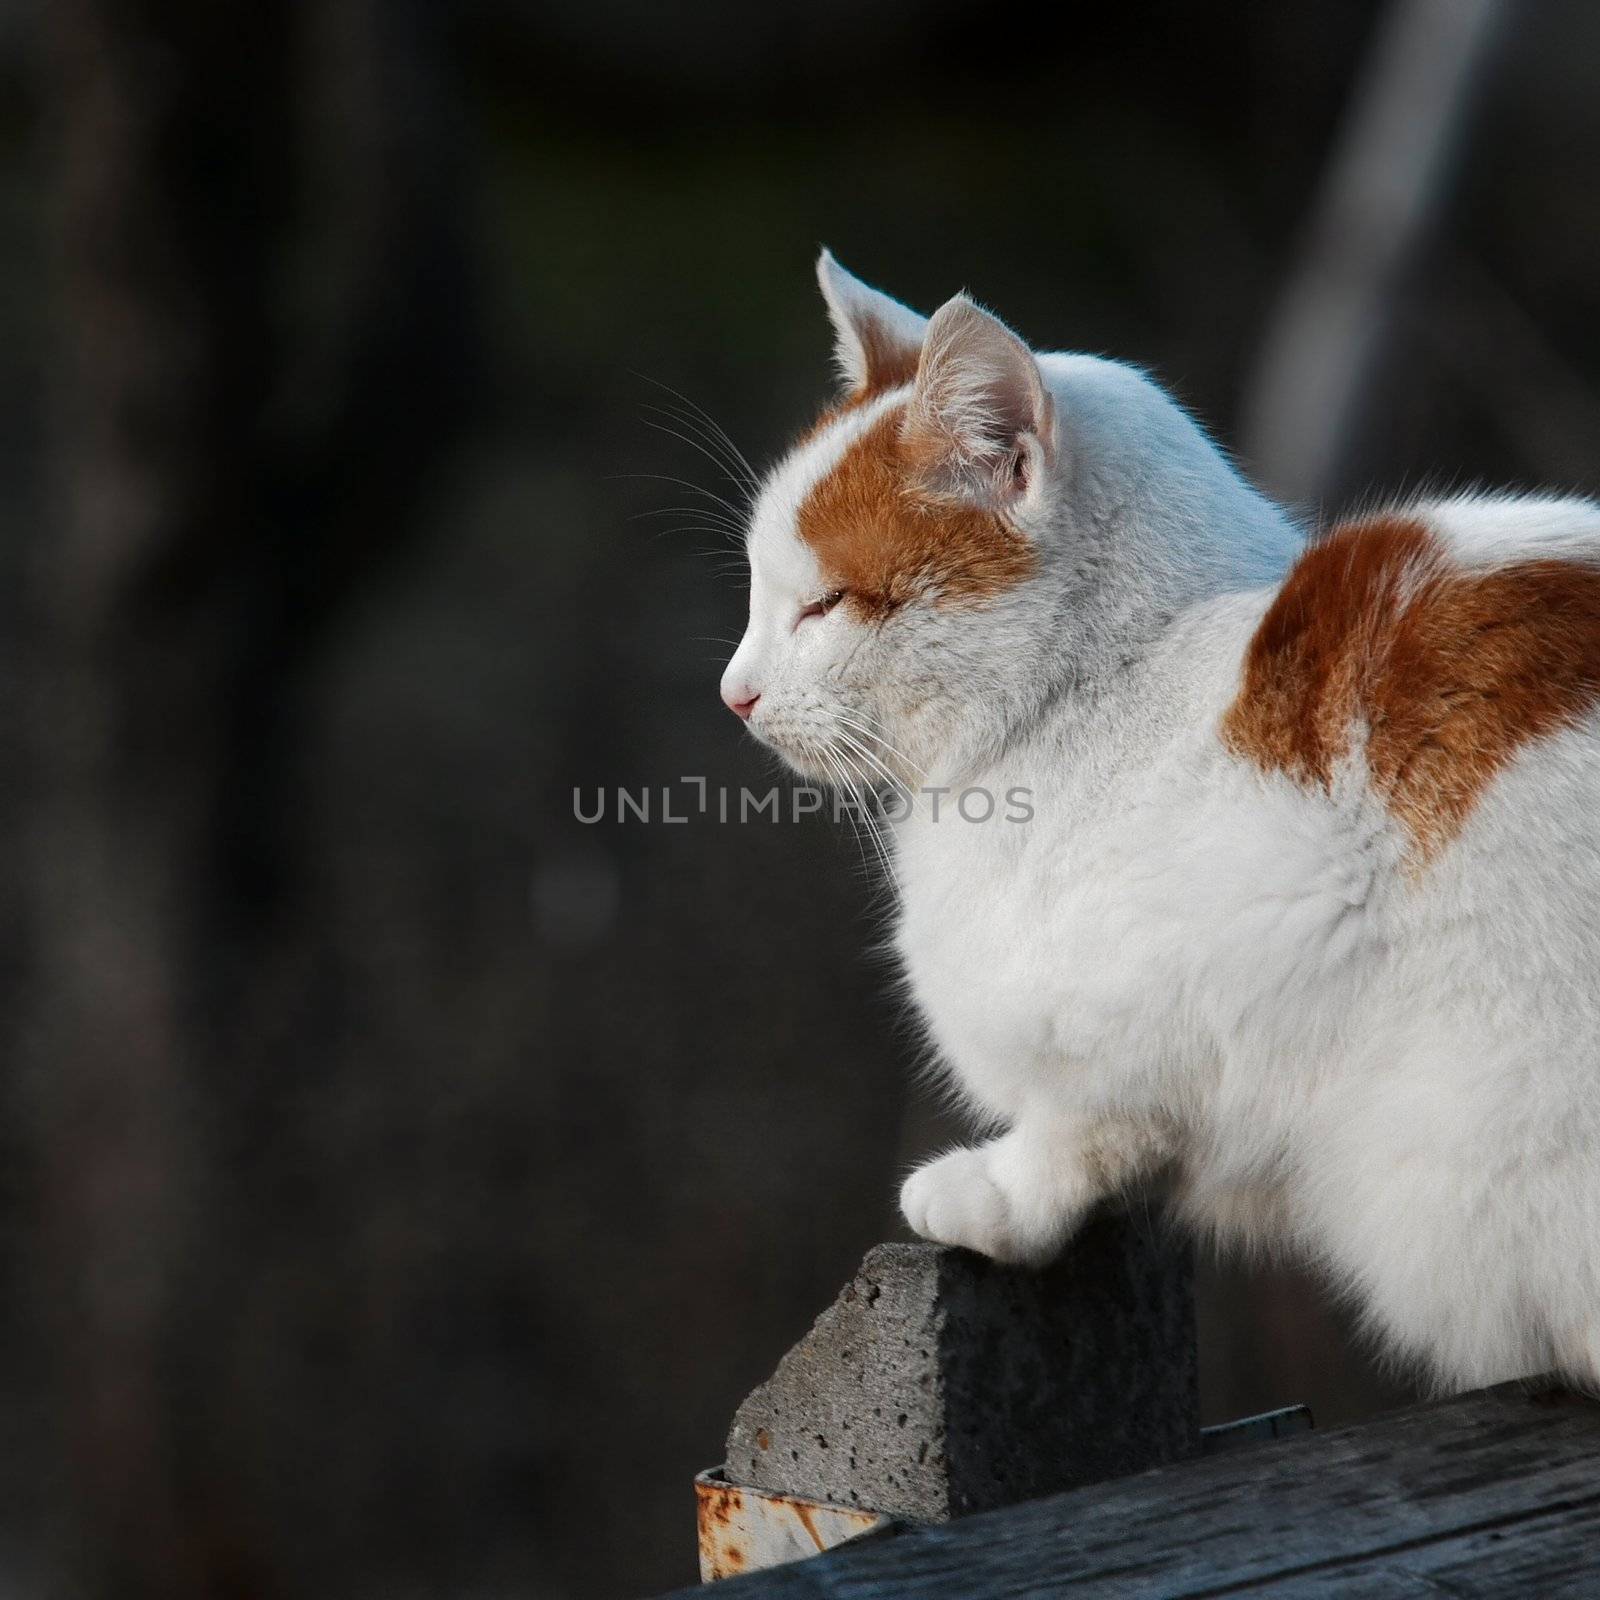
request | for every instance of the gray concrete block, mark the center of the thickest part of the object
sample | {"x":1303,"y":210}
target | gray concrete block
{"x":941,"y":1383}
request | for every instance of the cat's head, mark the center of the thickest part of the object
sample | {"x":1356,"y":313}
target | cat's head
{"x":893,"y":550}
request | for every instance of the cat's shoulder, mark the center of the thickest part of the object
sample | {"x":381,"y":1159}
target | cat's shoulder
{"x":1425,"y":561}
{"x":1433,"y":642}
{"x":1469,"y":533}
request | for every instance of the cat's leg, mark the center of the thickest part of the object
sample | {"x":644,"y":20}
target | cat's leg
{"x":1020,"y":1197}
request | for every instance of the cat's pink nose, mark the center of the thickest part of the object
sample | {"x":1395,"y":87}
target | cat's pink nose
{"x":740,"y":708}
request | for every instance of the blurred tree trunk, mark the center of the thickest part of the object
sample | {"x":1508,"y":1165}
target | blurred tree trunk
{"x":168,"y":139}
{"x":203,"y":533}
{"x":1389,"y":177}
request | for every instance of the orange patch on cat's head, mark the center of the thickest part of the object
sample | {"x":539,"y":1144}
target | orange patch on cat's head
{"x":882,"y":536}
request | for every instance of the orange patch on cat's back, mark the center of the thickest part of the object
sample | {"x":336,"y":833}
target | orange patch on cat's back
{"x":1450,"y":670}
{"x":882,"y":538}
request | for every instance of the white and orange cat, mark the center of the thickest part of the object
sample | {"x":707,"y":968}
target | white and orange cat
{"x":1306,"y":919}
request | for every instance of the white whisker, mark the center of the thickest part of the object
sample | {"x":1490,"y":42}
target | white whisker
{"x":855,"y":828}
{"x":880,"y":773}
{"x":737,"y":512}
{"x":871,"y":822}
{"x":709,"y":422}
{"x":713,"y":446}
{"x":694,"y":444}
{"x":858,"y":720}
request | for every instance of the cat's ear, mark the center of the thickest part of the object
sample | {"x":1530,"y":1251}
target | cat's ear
{"x":980,"y":418}
{"x":876,"y":340}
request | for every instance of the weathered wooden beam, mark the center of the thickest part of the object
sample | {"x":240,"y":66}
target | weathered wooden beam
{"x":1494,"y":1493}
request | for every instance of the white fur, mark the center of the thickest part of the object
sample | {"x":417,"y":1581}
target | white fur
{"x":1183,"y":967}
{"x":1485,"y":530}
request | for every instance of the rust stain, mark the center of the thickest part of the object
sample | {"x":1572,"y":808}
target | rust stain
{"x":742,"y":1529}
{"x":803,"y":1512}
{"x":719,"y":1505}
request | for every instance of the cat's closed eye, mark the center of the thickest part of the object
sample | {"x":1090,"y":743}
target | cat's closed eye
{"x":821,"y":606}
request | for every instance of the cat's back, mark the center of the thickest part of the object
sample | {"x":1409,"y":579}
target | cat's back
{"x":1429,"y":651}
{"x":1382,"y":777}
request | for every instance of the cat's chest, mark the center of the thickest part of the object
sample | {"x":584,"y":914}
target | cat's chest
{"x":986,"y":939}
{"x":1032,"y":952}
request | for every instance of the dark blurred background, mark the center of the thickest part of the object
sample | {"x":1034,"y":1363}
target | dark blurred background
{"x":403,"y":1181}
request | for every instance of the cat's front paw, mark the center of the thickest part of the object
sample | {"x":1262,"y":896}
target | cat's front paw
{"x":954,"y":1200}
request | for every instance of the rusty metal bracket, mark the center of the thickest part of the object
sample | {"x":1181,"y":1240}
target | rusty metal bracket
{"x":744,"y":1530}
